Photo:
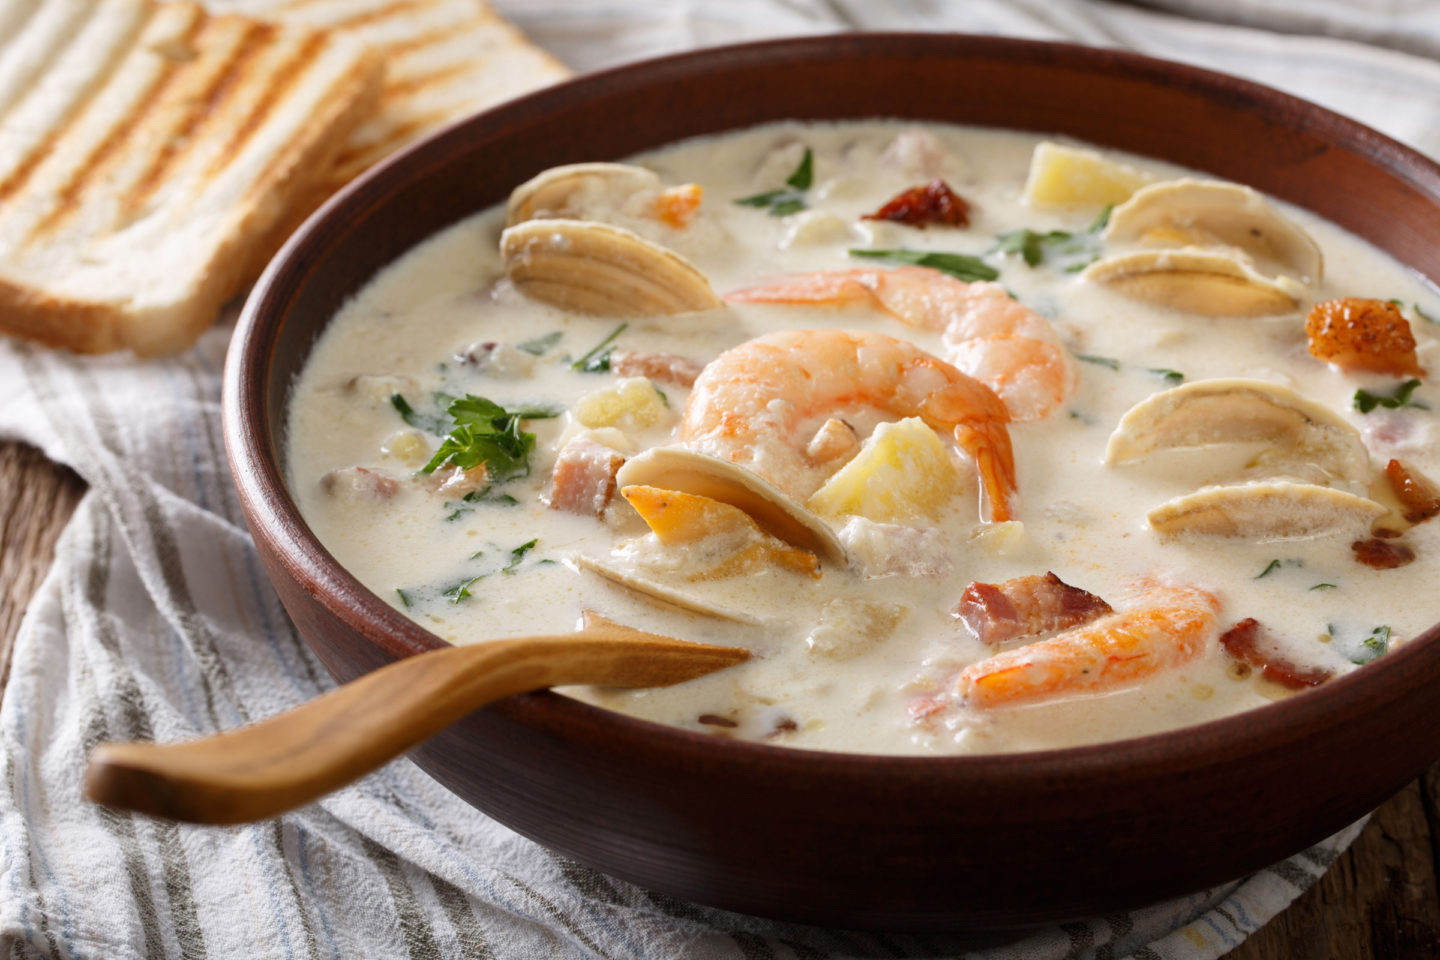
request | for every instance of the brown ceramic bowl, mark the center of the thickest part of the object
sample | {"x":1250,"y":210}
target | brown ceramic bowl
{"x":847,"y":839}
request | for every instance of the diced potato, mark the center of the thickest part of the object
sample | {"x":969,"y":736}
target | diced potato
{"x":1000,"y":539}
{"x":848,"y":627}
{"x":408,"y":446}
{"x":631,"y":403}
{"x":902,"y":473}
{"x":1063,"y":176}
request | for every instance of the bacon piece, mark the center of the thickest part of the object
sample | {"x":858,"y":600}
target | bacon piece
{"x":1025,"y":607}
{"x":935,"y":202}
{"x":1418,"y":494}
{"x":1359,"y":334}
{"x":1242,"y":642}
{"x":1382,"y":554}
{"x":665,"y":367}
{"x":583,"y":480}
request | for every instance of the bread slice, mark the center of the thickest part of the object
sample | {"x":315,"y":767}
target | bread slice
{"x":147,"y":152}
{"x":444,"y":59}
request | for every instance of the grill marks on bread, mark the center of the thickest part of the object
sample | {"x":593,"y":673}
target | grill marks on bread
{"x":147,"y":152}
{"x":444,"y":59}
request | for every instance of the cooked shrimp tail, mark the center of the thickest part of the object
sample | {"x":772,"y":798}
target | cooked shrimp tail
{"x":1164,"y":627}
{"x":987,"y":334}
{"x":979,"y":420}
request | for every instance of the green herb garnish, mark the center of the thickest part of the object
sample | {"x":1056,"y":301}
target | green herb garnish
{"x":1424,"y":316}
{"x":1324,"y":586}
{"x":1110,"y":362}
{"x":430,"y":424}
{"x":598,"y":359}
{"x":1365,"y":401}
{"x":1069,"y":251}
{"x":461,"y":590}
{"x":539,"y":345}
{"x":1374,"y":646}
{"x":790,"y":198}
{"x":1169,"y":376}
{"x":958,"y":265}
{"x":518,"y":554}
{"x":404,"y":597}
{"x":1273,"y":566}
{"x":487,"y":495}
{"x":486,"y":433}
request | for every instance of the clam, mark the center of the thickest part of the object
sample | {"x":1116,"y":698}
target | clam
{"x":563,"y":192}
{"x":1209,"y":213}
{"x":1272,"y":509}
{"x":1305,"y":436}
{"x":725,"y":539}
{"x":1213,"y":282}
{"x":603,"y":270}
{"x":632,"y":580}
{"x":777,"y":513}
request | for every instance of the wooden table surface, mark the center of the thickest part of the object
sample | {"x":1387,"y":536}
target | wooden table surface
{"x":1377,"y":901}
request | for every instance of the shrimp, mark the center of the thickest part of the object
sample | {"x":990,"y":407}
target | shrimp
{"x":755,"y":404}
{"x":1164,"y":627}
{"x":987,"y":334}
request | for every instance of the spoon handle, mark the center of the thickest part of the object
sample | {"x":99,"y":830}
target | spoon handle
{"x":280,"y":763}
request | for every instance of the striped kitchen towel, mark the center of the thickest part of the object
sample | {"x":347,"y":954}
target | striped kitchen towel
{"x":157,"y":621}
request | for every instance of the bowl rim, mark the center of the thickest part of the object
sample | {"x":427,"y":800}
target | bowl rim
{"x":254,"y":453}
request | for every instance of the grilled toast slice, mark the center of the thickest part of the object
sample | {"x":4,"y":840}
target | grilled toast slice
{"x":148,"y":152}
{"x":444,"y":59}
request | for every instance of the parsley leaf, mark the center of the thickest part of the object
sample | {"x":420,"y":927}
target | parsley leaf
{"x":407,"y":413}
{"x":790,"y":198}
{"x":1068,"y":251}
{"x":1274,"y":565}
{"x":804,"y":174}
{"x":1169,"y":376}
{"x":518,"y":554}
{"x":598,"y":359}
{"x":486,"y":433}
{"x":1365,"y":401}
{"x":461,"y":590}
{"x":958,"y":265}
{"x":1324,"y":586}
{"x":404,"y":597}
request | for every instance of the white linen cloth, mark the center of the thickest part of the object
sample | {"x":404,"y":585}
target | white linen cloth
{"x":157,"y":622}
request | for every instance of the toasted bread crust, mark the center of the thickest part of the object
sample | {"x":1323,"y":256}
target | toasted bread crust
{"x":163,"y":182}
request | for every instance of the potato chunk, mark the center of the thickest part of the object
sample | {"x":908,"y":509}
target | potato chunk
{"x":1063,"y":176}
{"x":903,"y":472}
{"x":631,"y":403}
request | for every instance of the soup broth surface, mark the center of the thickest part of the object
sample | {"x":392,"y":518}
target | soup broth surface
{"x":862,"y":659}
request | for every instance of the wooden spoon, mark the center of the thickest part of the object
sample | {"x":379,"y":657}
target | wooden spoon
{"x":275,"y":765}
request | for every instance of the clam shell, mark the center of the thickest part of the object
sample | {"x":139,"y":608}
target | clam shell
{"x":559,"y":192}
{"x":1187,"y":212}
{"x":661,"y":591}
{"x":599,"y":269}
{"x":1235,"y":410}
{"x":1212,"y":282}
{"x":1268,"y":510}
{"x":675,"y":468}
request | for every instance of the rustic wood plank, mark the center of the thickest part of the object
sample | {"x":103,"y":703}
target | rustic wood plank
{"x":36,"y":500}
{"x":1377,"y":902}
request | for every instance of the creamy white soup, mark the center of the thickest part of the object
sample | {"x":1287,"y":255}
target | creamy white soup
{"x":1001,"y":443}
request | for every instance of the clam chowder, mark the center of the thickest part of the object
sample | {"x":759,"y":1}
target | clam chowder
{"x":978,"y":441}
